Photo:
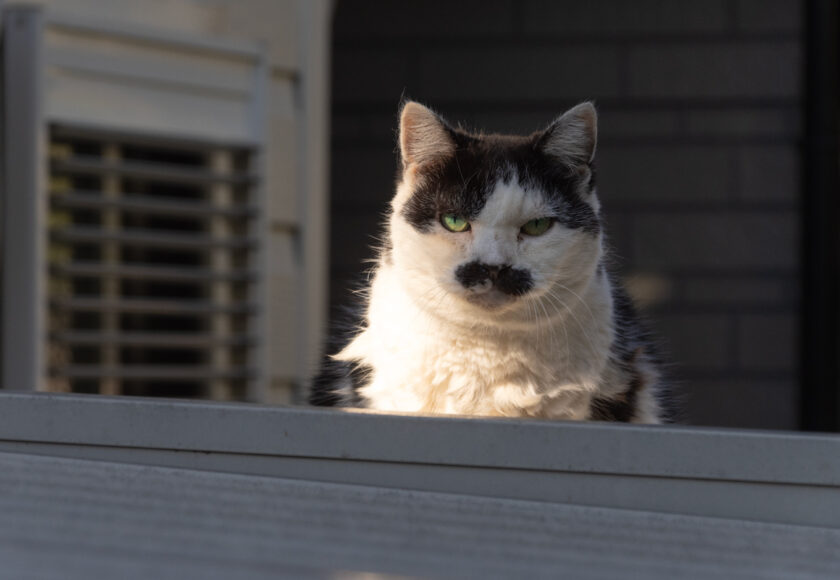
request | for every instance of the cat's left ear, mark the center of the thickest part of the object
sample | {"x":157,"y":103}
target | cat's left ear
{"x":573,"y":136}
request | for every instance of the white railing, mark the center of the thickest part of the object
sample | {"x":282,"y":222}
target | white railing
{"x":777,"y":477}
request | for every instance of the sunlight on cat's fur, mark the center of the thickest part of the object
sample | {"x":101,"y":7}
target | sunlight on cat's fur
{"x":491,"y":295}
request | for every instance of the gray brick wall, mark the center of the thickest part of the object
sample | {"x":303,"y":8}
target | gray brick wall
{"x":698,"y":160}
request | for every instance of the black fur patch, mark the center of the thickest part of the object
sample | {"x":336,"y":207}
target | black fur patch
{"x":621,"y":408}
{"x":462,"y":183}
{"x":338,"y":382}
{"x":633,"y":341}
{"x":506,"y":279}
{"x":324,"y":391}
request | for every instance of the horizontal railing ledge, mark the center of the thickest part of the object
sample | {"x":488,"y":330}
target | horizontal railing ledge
{"x":587,"y":447}
{"x":787,"y":478}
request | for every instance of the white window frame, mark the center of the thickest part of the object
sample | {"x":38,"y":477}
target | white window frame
{"x":284,"y":357}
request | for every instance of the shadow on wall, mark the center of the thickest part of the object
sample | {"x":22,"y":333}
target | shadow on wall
{"x":698,"y":156}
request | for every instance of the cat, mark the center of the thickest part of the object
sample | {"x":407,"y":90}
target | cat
{"x":492,"y":295}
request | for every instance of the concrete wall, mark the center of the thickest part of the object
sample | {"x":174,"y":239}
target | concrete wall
{"x":698,"y":160}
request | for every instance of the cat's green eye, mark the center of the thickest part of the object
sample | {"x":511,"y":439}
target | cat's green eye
{"x":454,"y":223}
{"x":537,"y":227}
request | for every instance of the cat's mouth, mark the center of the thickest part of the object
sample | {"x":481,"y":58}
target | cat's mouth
{"x":491,"y":299}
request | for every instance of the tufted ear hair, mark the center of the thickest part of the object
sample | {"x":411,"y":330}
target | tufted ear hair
{"x":424,"y":136}
{"x":573,"y":136}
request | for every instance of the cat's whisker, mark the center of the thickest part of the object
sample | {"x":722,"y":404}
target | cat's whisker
{"x":532,"y":310}
{"x":550,"y":274}
{"x":461,"y":173}
{"x":474,"y":173}
{"x":434,"y":294}
{"x":553,"y":333}
{"x":562,"y":324}
{"x":575,"y":318}
{"x":581,"y":300}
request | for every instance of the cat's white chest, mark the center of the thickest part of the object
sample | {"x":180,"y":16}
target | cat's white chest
{"x":472,"y":377}
{"x":442,"y":374}
{"x":422,"y":364}
{"x":449,"y":372}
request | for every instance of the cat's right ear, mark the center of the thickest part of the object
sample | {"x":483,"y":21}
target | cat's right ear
{"x":424,"y":137}
{"x":573,"y":136}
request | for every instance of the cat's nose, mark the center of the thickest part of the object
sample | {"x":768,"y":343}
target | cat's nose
{"x":477,"y":273}
{"x":481,"y":277}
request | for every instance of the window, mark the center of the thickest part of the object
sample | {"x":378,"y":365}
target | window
{"x":150,"y":246}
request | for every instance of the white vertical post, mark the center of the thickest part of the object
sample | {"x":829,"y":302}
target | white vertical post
{"x":315,"y":19}
{"x":22,"y":229}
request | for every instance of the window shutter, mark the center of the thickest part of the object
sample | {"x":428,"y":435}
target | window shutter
{"x":152,"y":255}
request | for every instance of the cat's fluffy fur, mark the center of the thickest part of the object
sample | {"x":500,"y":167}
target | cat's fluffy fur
{"x":491,"y":320}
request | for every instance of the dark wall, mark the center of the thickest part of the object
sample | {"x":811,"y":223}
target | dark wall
{"x":698,"y":159}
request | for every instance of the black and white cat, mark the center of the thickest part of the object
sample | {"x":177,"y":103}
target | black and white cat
{"x":490,"y":296}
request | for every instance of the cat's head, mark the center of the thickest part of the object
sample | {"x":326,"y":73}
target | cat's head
{"x":490,"y":224}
